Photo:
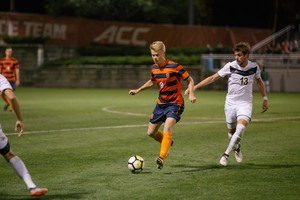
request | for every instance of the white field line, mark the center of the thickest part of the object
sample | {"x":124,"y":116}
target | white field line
{"x":106,"y":127}
{"x":106,"y":109}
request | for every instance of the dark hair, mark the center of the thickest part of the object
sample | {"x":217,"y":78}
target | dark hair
{"x":243,"y":47}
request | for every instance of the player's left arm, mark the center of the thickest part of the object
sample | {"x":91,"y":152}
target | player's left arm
{"x":191,"y":93}
{"x":262,"y":89}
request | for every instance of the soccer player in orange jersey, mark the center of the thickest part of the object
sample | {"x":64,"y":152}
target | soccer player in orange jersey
{"x":9,"y":68}
{"x":167,"y":75}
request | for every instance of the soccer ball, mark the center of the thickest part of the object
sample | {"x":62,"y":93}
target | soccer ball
{"x":136,"y":164}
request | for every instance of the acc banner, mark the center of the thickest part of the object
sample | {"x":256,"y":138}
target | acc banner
{"x":84,"y":32}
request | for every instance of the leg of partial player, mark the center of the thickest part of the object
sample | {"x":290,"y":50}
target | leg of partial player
{"x":6,"y":102}
{"x":21,"y":170}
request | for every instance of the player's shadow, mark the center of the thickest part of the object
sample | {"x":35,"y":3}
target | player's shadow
{"x":198,"y":168}
{"x":4,"y":196}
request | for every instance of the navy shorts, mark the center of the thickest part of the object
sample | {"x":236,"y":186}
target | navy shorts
{"x":162,"y":112}
{"x":5,"y":150}
{"x":13,"y":85}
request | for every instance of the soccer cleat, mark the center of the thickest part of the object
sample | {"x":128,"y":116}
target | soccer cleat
{"x":36,"y":192}
{"x":159,"y":162}
{"x":5,"y":107}
{"x":224,"y":159}
{"x":238,"y":154}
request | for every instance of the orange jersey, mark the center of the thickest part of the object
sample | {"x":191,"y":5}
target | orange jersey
{"x":8,"y":67}
{"x":168,"y":80}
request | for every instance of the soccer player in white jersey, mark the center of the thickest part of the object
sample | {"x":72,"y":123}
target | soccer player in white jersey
{"x":5,"y":150}
{"x":238,"y":105}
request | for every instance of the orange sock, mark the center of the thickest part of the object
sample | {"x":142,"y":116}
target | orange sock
{"x":165,"y":145}
{"x":159,"y":136}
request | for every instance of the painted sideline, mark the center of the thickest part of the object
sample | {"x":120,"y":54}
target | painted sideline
{"x":107,"y":109}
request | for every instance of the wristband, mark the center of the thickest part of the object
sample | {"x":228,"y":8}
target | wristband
{"x":265,"y":98}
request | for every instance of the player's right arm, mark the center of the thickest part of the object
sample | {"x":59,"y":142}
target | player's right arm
{"x":147,"y":85}
{"x":19,"y":127}
{"x":207,"y":81}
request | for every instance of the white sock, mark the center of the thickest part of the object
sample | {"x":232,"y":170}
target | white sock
{"x":21,"y":170}
{"x":236,"y":138}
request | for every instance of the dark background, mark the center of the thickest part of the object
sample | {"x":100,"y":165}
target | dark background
{"x":269,"y":14}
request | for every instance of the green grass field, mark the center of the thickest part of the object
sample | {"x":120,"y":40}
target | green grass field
{"x":77,"y":143}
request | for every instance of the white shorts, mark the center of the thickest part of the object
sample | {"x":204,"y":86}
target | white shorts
{"x":235,"y":112}
{"x":3,"y":139}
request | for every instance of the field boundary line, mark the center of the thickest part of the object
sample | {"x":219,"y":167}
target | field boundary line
{"x":107,"y":109}
{"x":105,"y":127}
{"x":144,"y":125}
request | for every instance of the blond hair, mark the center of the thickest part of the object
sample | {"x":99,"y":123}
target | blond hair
{"x":158,"y":46}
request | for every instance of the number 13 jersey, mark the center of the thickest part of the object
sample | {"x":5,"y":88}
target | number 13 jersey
{"x":240,"y":81}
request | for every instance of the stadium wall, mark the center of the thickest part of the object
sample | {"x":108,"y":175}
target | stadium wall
{"x":282,"y":79}
{"x":95,"y":76}
{"x":128,"y":76}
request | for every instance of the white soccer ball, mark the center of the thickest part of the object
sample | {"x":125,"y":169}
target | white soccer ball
{"x":136,"y":164}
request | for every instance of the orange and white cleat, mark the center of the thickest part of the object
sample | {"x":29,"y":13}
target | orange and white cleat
{"x":36,"y":192}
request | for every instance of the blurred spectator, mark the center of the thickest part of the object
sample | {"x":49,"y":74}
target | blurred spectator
{"x":220,"y":48}
{"x":285,"y":47}
{"x":277,"y":49}
{"x":209,"y":62}
{"x":270,"y":48}
{"x":209,"y":49}
{"x":294,"y":45}
{"x":265,"y":78}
